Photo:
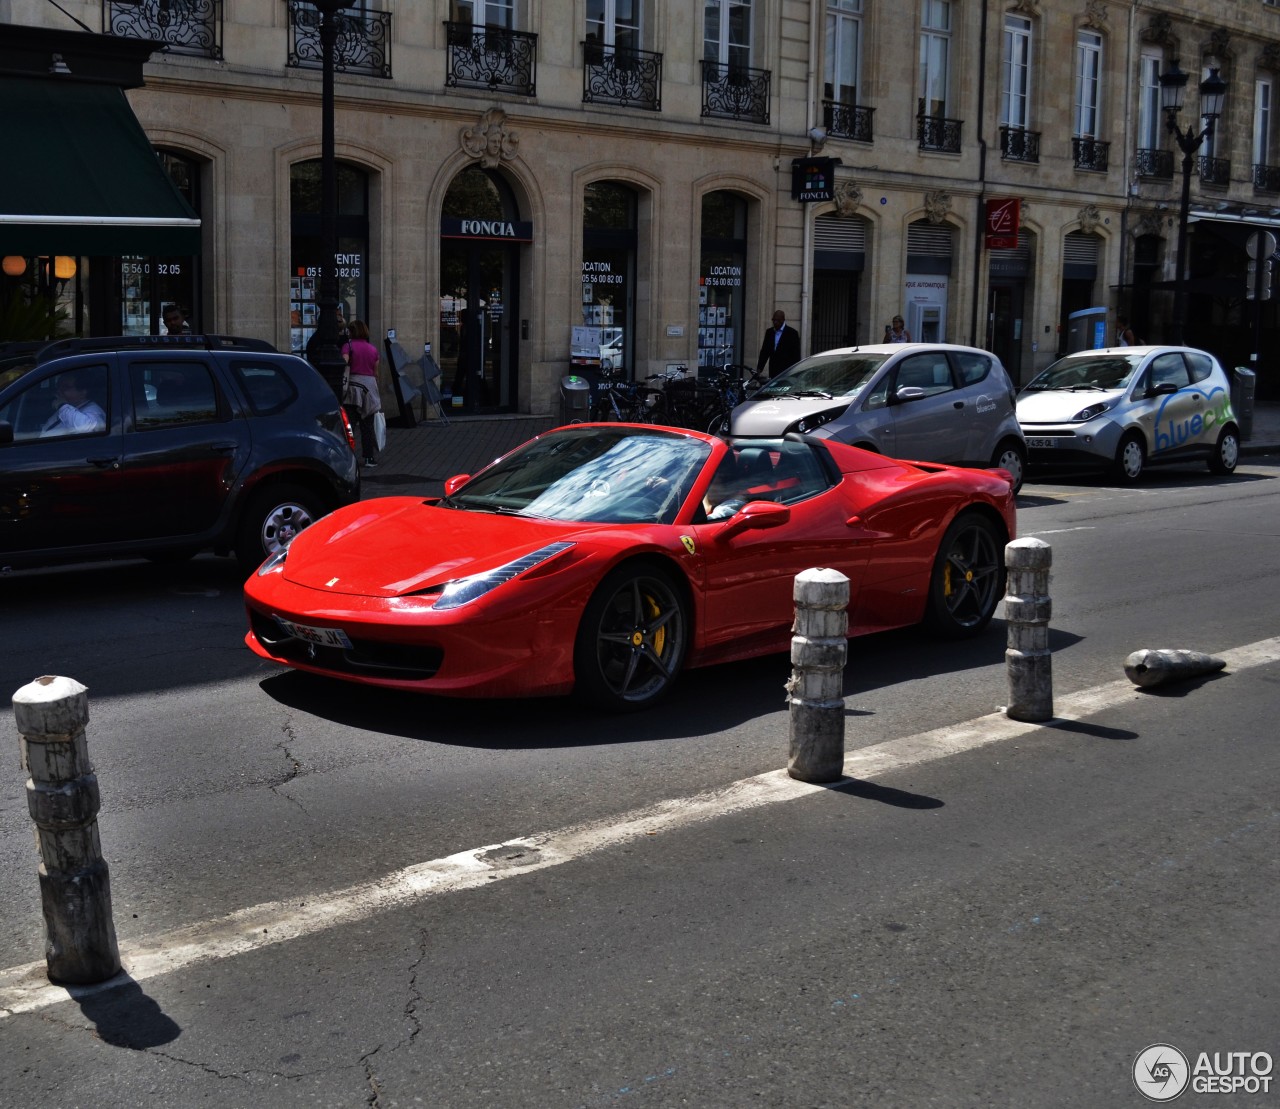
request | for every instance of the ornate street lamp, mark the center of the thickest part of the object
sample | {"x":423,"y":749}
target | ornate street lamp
{"x":326,"y":355}
{"x":1173,"y":83}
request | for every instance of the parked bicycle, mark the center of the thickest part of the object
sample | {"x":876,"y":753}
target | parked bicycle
{"x":734,"y":383}
{"x":616,"y":399}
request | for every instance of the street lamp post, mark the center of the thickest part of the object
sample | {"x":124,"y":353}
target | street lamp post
{"x":1173,"y":83}
{"x":325,"y":355}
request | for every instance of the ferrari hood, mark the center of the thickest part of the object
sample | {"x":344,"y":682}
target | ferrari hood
{"x":1057,"y":406}
{"x":392,"y":546}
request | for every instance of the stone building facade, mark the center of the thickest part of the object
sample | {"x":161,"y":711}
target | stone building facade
{"x":528,"y":185}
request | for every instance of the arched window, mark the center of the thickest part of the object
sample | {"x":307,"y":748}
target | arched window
{"x":720,"y":279}
{"x":152,"y":286}
{"x":608,"y":274}
{"x":307,"y":247}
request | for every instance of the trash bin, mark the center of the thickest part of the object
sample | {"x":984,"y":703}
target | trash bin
{"x":575,"y":399}
{"x":1243,"y":385}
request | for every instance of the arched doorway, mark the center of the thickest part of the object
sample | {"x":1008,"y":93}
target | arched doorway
{"x":480,"y":235}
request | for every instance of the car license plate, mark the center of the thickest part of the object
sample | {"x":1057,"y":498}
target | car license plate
{"x":1040,"y":444}
{"x":324,"y":637}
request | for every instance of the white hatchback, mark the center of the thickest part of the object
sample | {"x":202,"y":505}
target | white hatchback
{"x":1124,"y":408}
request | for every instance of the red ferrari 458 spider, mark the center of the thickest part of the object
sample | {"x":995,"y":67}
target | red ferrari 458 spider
{"x":603,"y":559}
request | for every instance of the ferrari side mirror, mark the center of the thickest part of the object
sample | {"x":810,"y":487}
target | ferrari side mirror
{"x":755,"y":515}
{"x":455,"y":483}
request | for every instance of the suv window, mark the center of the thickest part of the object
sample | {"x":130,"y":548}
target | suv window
{"x":1199,"y":363}
{"x":171,"y":394}
{"x":930,"y":372}
{"x":74,"y":402}
{"x":268,"y":388}
{"x":973,"y":367}
{"x":1169,"y":369}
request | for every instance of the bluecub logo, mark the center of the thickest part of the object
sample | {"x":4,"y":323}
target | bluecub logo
{"x":1170,"y":434}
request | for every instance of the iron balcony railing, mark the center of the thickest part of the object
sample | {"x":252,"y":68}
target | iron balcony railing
{"x":1017,"y":144}
{"x":1214,"y":171}
{"x":735,"y":92}
{"x":184,"y":26}
{"x":936,"y":132}
{"x":1154,"y":163}
{"x":1089,"y":153}
{"x":1266,"y":179}
{"x":493,"y":58}
{"x":363,"y":43}
{"x":847,"y":121}
{"x":621,"y":75}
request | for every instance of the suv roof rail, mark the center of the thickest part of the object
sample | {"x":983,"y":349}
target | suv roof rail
{"x":56,"y":348}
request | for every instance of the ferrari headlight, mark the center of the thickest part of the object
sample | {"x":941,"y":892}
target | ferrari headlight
{"x":274,"y":562}
{"x":1086,"y":414}
{"x":463,"y":591}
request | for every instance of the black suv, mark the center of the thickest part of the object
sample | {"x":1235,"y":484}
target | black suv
{"x":161,"y":446}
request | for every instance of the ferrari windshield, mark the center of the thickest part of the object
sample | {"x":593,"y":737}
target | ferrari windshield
{"x":1101,"y":371}
{"x":825,"y":375}
{"x":596,"y":474}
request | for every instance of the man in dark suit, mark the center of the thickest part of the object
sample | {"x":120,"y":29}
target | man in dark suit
{"x":781,"y":347}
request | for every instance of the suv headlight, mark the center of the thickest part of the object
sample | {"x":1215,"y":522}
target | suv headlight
{"x":1086,"y":414}
{"x":816,"y":419}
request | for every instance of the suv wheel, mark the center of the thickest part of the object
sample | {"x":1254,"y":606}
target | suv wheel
{"x":271,"y":520}
{"x":1131,"y":457}
{"x":1227,"y":453}
{"x":1012,"y":456}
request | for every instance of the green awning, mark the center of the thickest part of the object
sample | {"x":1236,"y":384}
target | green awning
{"x":80,"y":175}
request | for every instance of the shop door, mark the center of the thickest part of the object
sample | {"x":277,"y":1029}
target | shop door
{"x":835,"y":309}
{"x":1004,"y":326}
{"x":479,"y":305}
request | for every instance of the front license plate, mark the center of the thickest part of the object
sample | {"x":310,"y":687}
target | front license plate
{"x":1040,"y":444}
{"x":324,"y":637}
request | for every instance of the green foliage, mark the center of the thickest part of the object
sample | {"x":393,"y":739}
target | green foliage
{"x":38,"y":318}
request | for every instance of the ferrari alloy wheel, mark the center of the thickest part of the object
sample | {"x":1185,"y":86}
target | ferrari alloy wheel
{"x":1227,"y":452}
{"x":968,"y":577}
{"x":632,"y":640}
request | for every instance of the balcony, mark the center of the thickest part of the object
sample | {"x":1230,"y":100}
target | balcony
{"x":363,"y":44}
{"x":493,"y":58}
{"x":937,"y":133}
{"x":1214,"y":171}
{"x":1017,"y":144}
{"x":735,"y":92}
{"x":1154,"y":164}
{"x":184,"y":26}
{"x":623,"y":76}
{"x":1088,"y":153}
{"x":847,"y":121}
{"x":1266,"y":179}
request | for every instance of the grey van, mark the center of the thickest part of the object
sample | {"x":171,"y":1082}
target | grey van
{"x":928,"y":402}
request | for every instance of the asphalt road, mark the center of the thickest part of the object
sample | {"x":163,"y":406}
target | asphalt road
{"x":526,"y":904}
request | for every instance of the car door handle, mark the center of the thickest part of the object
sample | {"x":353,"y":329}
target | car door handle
{"x":224,"y":448}
{"x":957,"y":404}
{"x":112,"y":463}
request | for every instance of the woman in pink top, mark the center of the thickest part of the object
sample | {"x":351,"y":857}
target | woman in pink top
{"x":363,"y":399}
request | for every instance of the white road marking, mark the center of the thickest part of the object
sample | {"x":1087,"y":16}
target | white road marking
{"x":26,"y":988}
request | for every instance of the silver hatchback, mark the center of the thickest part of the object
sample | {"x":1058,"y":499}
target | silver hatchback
{"x":927,"y":402}
{"x":1124,"y":408}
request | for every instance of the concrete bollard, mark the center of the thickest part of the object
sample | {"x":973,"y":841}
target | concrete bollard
{"x":1026,"y":611}
{"x":62,"y":796}
{"x":815,"y":691}
{"x":1155,"y":667}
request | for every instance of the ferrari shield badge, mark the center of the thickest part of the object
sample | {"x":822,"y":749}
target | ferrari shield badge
{"x":689,"y":544}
